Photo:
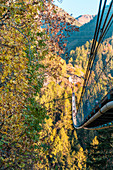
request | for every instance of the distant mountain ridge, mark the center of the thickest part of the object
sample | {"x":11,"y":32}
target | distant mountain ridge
{"x":83,"y":19}
{"x":86,"y":28}
{"x":86,"y":33}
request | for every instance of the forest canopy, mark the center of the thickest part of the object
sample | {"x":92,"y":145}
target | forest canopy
{"x":26,"y":38}
{"x":36,"y":128}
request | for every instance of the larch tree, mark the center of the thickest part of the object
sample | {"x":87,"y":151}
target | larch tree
{"x":27,"y":36}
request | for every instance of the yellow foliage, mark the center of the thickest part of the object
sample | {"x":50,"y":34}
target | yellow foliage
{"x":16,"y":59}
{"x":95,"y":141}
{"x":81,"y":159}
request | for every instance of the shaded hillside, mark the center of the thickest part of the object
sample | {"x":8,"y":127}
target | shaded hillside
{"x":83,"y":19}
{"x":80,"y":55}
{"x":86,"y":33}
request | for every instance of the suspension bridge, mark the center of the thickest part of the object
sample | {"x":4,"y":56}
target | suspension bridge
{"x":95,"y":107}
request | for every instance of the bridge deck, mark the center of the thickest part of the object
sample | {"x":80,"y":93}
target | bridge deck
{"x":101,"y":115}
{"x":105,"y":117}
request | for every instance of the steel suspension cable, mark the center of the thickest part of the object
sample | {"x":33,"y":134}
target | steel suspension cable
{"x":96,"y":26}
{"x":97,"y":32}
{"x":99,"y":24}
{"x":104,"y":24}
{"x":90,"y":58}
{"x":107,"y":14}
{"x":107,"y":31}
{"x":100,"y":39}
{"x":98,"y":46}
{"x":102,"y":70}
{"x":94,"y":45}
{"x":90,"y":52}
{"x":93,"y":56}
{"x":93,"y":39}
{"x":56,"y":100}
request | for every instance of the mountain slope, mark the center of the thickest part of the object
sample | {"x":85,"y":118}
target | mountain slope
{"x":86,"y":33}
{"x":83,"y":19}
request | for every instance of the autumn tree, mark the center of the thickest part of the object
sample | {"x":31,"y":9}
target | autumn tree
{"x":62,"y":149}
{"x":99,"y":152}
{"x":26,"y":38}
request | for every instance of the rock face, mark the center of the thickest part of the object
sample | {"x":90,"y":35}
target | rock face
{"x":83,"y":19}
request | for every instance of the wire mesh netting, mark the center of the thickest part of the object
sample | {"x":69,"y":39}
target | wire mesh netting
{"x":98,"y":80}
{"x":99,"y":84}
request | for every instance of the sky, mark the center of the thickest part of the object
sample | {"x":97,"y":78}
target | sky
{"x":79,"y":7}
